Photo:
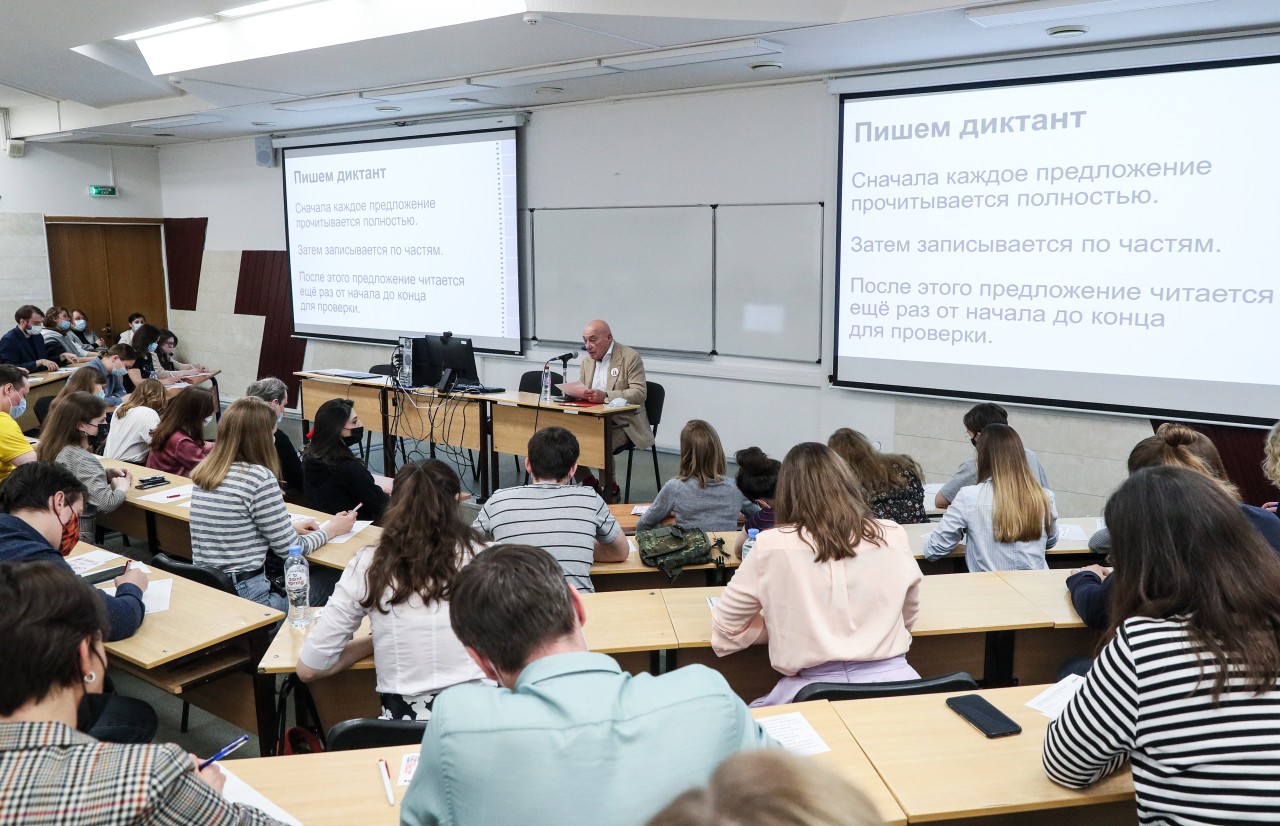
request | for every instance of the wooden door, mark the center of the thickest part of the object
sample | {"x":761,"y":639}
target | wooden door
{"x":109,"y":271}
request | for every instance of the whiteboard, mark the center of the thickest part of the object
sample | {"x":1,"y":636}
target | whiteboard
{"x":769,"y":281}
{"x":648,"y":271}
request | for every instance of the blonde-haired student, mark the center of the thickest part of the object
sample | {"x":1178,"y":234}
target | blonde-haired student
{"x":700,"y":496}
{"x":1007,"y":520}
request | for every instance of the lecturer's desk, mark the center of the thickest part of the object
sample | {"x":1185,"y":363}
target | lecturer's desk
{"x":938,"y":767}
{"x":342,"y":788}
{"x":631,"y":626}
{"x":205,"y":650}
{"x":367,"y":397}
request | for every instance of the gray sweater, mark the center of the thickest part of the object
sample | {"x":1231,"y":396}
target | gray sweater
{"x":713,"y":508}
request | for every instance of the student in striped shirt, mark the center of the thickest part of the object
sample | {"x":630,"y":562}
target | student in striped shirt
{"x":1186,"y":688}
{"x":569,"y":521}
{"x":237,"y":510}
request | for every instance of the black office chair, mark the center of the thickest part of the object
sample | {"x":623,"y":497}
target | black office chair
{"x":209,"y":577}
{"x":373,"y":733}
{"x":655,"y":397}
{"x":531,"y":382}
{"x":959,"y":681}
{"x":42,"y":408}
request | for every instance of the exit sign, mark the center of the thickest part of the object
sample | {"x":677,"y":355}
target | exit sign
{"x":103,"y":191}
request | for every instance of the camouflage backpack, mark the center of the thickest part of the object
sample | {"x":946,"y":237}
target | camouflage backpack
{"x":670,"y":548}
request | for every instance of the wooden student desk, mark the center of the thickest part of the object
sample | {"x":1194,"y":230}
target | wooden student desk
{"x":632,"y":573}
{"x":205,"y":650}
{"x":41,"y":385}
{"x":1066,"y":552}
{"x":631,"y":626}
{"x":343,"y":787}
{"x":938,"y":767}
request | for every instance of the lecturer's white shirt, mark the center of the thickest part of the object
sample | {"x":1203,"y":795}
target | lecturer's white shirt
{"x":600,"y":380}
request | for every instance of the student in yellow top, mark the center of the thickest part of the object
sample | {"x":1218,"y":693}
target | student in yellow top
{"x":14,"y":448}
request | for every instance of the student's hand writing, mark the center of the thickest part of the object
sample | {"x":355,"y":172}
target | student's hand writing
{"x":211,"y":774}
{"x":340,"y":523}
{"x":133,"y":576}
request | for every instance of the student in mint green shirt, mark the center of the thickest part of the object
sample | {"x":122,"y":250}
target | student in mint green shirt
{"x":566,"y":736}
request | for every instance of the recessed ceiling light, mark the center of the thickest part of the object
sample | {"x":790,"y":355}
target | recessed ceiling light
{"x":765,"y":64}
{"x":1063,"y":32}
{"x":263,"y":123}
{"x":189,"y":23}
{"x":386,"y":108}
{"x":548,"y":90}
{"x":261,"y":8}
{"x":463,"y":101}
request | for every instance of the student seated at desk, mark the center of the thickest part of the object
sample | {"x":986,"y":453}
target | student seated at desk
{"x":237,"y":511}
{"x":136,"y":320}
{"x":70,"y":434}
{"x":700,"y":496}
{"x":572,"y":737}
{"x":401,"y":584}
{"x":276,"y":394}
{"x":80,"y":381}
{"x":15,"y":450}
{"x":177,"y":442}
{"x":1173,"y":445}
{"x":167,"y":344}
{"x":771,"y":788}
{"x":975,"y":421}
{"x":88,"y":340}
{"x":23,"y":346}
{"x":52,"y":656}
{"x":129,"y":439}
{"x":59,"y":344}
{"x":1007,"y":520}
{"x":1186,"y":688}
{"x":571,"y":521}
{"x":113,"y":366}
{"x":333,"y":479}
{"x":832,"y":588}
{"x":146,"y":340}
{"x":757,"y":480}
{"x":891,"y":481}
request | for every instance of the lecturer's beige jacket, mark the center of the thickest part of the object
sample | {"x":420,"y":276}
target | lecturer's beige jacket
{"x":626,"y":381}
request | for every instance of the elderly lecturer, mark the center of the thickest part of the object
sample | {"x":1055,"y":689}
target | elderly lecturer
{"x":615,"y":371}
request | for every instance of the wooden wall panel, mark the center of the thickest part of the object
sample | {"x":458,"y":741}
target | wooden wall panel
{"x":136,"y":267}
{"x":78,"y":271}
{"x":184,"y":252}
{"x":263,"y":290}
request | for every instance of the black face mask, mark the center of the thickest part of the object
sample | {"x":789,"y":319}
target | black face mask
{"x":356,"y":437}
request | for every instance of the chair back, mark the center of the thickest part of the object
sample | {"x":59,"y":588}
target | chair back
{"x":531,"y":381}
{"x":373,"y":733}
{"x":211,"y":577}
{"x":959,"y":681}
{"x":42,"y":407}
{"x":655,"y":397}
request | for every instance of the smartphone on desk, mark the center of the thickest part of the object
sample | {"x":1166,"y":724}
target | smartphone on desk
{"x":983,"y":716}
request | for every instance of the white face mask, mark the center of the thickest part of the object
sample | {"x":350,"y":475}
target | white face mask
{"x":136,"y":325}
{"x":208,"y":419}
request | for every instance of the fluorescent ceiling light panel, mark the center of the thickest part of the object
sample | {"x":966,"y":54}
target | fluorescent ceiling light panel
{"x":311,"y":26}
{"x":177,"y":120}
{"x":329,"y":102}
{"x":693,"y":54}
{"x":168,"y":28}
{"x":543,"y":74}
{"x":261,"y":8}
{"x":443,"y":88}
{"x":58,"y":137}
{"x":1048,"y":11}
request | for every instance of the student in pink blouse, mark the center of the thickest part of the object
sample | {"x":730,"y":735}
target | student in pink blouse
{"x":178,"y":443}
{"x":833,"y":590}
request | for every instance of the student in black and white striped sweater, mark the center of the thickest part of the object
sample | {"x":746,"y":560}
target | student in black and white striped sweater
{"x":1186,"y":688}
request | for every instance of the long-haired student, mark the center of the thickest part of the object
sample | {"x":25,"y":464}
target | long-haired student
{"x":700,"y":496}
{"x":891,"y":481}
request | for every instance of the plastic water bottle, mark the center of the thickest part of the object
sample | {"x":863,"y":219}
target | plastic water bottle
{"x":297,"y":584}
{"x":546,"y":382}
{"x":752,"y":533}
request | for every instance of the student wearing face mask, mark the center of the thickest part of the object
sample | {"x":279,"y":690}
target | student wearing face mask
{"x":73,"y":430}
{"x":276,"y":394}
{"x":23,"y":346}
{"x":136,"y":320}
{"x":334,"y":480}
{"x":178,"y":443}
{"x":15,"y":450}
{"x":146,"y":341}
{"x":59,"y":344}
{"x":166,"y":362}
{"x":87,"y":337}
{"x":113,"y":366}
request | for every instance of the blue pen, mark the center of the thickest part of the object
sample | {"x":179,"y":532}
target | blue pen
{"x":225,"y":750}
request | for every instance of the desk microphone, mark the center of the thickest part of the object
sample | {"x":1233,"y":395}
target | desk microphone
{"x":566,"y":358}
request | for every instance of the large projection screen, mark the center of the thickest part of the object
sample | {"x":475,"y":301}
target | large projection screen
{"x":1102,"y":241}
{"x":405,"y":236}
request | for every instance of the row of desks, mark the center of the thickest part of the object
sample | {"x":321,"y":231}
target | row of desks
{"x":914,"y":758}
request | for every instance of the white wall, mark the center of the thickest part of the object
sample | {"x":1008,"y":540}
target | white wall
{"x":53,"y":179}
{"x":752,"y":145}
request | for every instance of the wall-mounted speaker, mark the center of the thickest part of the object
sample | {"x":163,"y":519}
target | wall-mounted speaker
{"x":16,"y":148}
{"x":265,"y":153}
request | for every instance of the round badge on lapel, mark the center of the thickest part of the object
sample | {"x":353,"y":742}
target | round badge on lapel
{"x":613,"y":371}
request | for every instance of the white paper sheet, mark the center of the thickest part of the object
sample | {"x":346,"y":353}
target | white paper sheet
{"x":84,"y":563}
{"x":359,"y":526}
{"x":169,"y":495}
{"x":157,"y":596}
{"x":1102,"y":524}
{"x":795,"y":733}
{"x":384,"y":482}
{"x":931,"y":490}
{"x":711,"y":602}
{"x":572,"y":389}
{"x":408,"y":765}
{"x":238,"y":791}
{"x":179,"y":384}
{"x":1054,"y":699}
{"x":1072,"y":533}
{"x":631,"y":545}
{"x":639,"y":510}
{"x":185,"y":504}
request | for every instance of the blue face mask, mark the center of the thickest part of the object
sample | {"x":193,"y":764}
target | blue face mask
{"x":102,"y":394}
{"x":119,"y":371}
{"x":18,"y":409}
{"x":151,"y":348}
{"x":79,"y":325}
{"x":64,"y":325}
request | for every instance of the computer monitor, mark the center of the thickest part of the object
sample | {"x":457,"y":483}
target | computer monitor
{"x":433,"y":354}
